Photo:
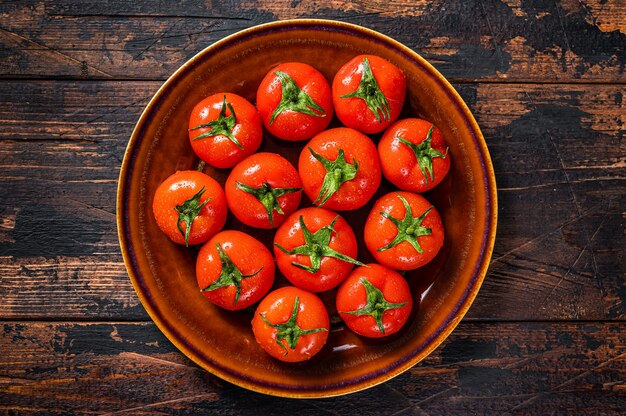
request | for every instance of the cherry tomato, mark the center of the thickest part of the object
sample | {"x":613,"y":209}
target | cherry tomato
{"x":294,"y":100}
{"x":263,"y":189}
{"x":291,"y":324}
{"x":374,"y":301}
{"x":368,"y":93}
{"x":190,"y":207}
{"x":403,"y":231}
{"x":234,"y":270}
{"x":315,"y":249}
{"x":224,"y":128}
{"x":339,"y":169}
{"x":413,"y":155}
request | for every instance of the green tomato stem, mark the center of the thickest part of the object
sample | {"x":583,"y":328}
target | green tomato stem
{"x":267,"y":196}
{"x":409,"y":228}
{"x":338,"y":171}
{"x":295,"y":99}
{"x":376,"y":305}
{"x":188,"y":211}
{"x":424,"y":153}
{"x":222,"y":125}
{"x":316,"y":247}
{"x":230,"y":275}
{"x":289,"y":332}
{"x":369,"y":91}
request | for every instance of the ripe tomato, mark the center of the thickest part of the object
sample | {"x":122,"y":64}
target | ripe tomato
{"x":374,"y":301}
{"x":263,"y":189}
{"x":413,"y":155}
{"x":234,"y":270}
{"x":339,"y":169}
{"x":368,"y":93}
{"x":315,"y":249}
{"x":291,"y":324}
{"x":403,"y":231}
{"x":190,"y":207}
{"x":294,"y":101}
{"x":223,"y":129}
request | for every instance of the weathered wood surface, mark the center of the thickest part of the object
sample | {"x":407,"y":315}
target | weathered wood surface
{"x":130,"y":368}
{"x":557,"y":150}
{"x":545,"y":80}
{"x":520,"y":40}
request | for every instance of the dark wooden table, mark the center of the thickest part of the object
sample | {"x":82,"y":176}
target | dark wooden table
{"x":546,"y":82}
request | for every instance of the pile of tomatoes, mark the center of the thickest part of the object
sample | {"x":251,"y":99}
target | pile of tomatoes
{"x":339,"y":170}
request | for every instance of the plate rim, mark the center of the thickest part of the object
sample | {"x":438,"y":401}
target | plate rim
{"x":375,"y":377}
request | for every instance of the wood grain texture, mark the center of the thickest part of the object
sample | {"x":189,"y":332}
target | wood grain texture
{"x":530,"y":40}
{"x":130,"y":368}
{"x":545,"y":81}
{"x":558,"y":154}
{"x":560,"y":165}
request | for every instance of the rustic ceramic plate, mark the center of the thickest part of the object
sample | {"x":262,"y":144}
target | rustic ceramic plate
{"x":163,"y":273}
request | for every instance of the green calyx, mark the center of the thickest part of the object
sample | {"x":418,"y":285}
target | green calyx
{"x":424,"y":153}
{"x":316,"y":247}
{"x":188,"y":211}
{"x":375,"y":305}
{"x":370,"y":92}
{"x":337,"y":172}
{"x":230,"y":275}
{"x":294,"y":99}
{"x":289,"y":332}
{"x":267,"y":196}
{"x":222,"y":125}
{"x":409,"y":228}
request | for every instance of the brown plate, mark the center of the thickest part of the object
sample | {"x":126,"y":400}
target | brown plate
{"x":222,"y":342}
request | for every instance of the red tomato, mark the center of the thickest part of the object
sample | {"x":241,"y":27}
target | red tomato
{"x":368,"y":93}
{"x":291,"y":324}
{"x":403,"y":231}
{"x":315,"y":249}
{"x":263,"y":189}
{"x":413,"y":155}
{"x":294,"y":100}
{"x":374,"y":301}
{"x":234,"y":270}
{"x":339,"y":169}
{"x":223,"y":129}
{"x":190,"y":207}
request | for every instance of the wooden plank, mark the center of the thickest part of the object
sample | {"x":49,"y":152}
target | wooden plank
{"x":557,"y":150}
{"x":560,"y":165}
{"x":60,"y":156}
{"x":565,"y":41}
{"x":131,"y":368}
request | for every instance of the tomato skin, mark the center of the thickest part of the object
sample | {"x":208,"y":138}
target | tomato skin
{"x":249,"y":256}
{"x":254,"y":171}
{"x":178,"y":188}
{"x":351,"y":296}
{"x":354,"y":193}
{"x":219,"y":151}
{"x":354,"y":112}
{"x":380,"y":231}
{"x":398,"y":161}
{"x":277,"y":308}
{"x":292,"y":125}
{"x":332,"y":271}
